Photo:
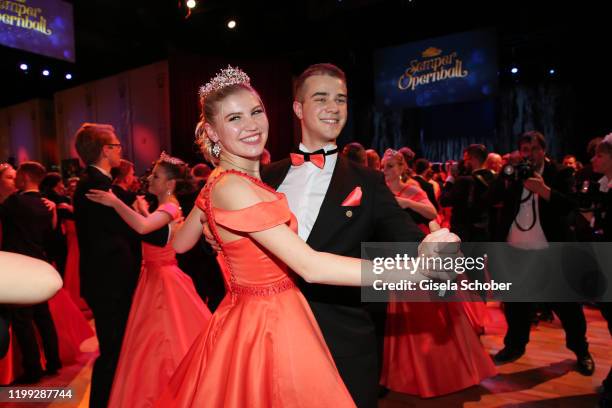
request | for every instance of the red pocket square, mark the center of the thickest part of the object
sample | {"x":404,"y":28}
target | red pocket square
{"x":353,"y":199}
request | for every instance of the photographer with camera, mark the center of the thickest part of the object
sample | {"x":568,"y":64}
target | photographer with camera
{"x":464,"y":193}
{"x":537,"y":197}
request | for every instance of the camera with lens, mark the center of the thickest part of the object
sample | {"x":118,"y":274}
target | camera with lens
{"x":520,"y":171}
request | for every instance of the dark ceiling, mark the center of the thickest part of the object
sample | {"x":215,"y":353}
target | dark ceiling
{"x":114,"y":35}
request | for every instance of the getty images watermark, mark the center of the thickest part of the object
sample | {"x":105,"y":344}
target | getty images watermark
{"x":559,"y":272}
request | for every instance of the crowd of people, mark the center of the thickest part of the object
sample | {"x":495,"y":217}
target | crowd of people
{"x":238,"y":283}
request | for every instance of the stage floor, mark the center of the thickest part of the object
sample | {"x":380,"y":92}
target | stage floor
{"x":543,"y":377}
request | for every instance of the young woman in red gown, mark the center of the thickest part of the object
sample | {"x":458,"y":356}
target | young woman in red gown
{"x":263,"y":347}
{"x":431,"y":348}
{"x":167,"y":314}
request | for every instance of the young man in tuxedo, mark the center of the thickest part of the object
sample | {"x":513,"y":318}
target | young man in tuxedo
{"x":319,"y":185}
{"x":28,"y":226}
{"x":110,"y":253}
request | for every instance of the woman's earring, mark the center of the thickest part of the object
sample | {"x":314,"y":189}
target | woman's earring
{"x":216,"y":150}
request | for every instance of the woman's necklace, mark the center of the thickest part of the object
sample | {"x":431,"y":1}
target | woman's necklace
{"x":242,"y":168}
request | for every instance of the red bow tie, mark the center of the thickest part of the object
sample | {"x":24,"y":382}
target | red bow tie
{"x":317,"y":158}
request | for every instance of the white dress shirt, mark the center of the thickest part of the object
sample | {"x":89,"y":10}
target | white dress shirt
{"x":305,"y":187}
{"x":534,"y":238}
{"x":604,"y":184}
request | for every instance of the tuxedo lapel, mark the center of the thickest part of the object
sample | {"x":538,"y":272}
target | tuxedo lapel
{"x":274,"y":174}
{"x":332,"y":214}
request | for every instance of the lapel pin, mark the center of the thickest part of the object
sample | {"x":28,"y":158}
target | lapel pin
{"x":349,"y":213}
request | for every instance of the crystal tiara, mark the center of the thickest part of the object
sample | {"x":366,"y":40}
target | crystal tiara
{"x":226,"y":77}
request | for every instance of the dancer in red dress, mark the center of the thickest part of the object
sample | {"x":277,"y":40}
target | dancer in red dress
{"x":167,"y":314}
{"x":72,"y":281}
{"x":430,"y":349}
{"x":263,"y":347}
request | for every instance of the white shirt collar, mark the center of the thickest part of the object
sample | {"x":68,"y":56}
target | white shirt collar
{"x":106,"y":173}
{"x":327,"y":148}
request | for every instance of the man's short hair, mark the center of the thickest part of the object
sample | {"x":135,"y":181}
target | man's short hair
{"x":533,"y":136}
{"x":355,"y":152}
{"x":35,"y":171}
{"x":90,"y":139}
{"x":477,"y":151}
{"x":316,"y":69}
{"x":421,"y":166}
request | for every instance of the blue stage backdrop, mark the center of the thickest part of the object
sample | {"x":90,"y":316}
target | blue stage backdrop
{"x":450,"y":69}
{"x":40,"y":26}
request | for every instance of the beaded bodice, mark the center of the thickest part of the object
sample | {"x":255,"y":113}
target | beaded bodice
{"x":248,"y":268}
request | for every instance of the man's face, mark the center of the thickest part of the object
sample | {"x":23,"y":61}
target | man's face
{"x":533,"y":152}
{"x":468,"y":161}
{"x":323,"y":110}
{"x":495,"y":162}
{"x":112,"y":150}
{"x":570,"y":162}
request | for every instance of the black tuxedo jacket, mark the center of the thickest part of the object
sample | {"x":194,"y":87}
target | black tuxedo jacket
{"x":553,"y":214}
{"x":110,"y":251}
{"x":466,"y":196}
{"x":377,"y":218}
{"x":27,"y":225}
{"x":429,"y":190}
{"x":606,"y":222}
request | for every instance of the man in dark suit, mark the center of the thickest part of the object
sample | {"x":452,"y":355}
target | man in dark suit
{"x":28,"y":226}
{"x":316,"y":190}
{"x":421,"y":167}
{"x":535,"y":213}
{"x":110,"y":253}
{"x":465,"y":194}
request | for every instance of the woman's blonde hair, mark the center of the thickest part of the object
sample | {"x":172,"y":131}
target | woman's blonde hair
{"x":227,"y":82}
{"x":391,"y":154}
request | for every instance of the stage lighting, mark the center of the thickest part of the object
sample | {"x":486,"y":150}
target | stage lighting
{"x":231,"y":24}
{"x":191,"y":3}
{"x":46,"y":72}
{"x":68,"y":76}
{"x":514,"y":70}
{"x":23,"y":67}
